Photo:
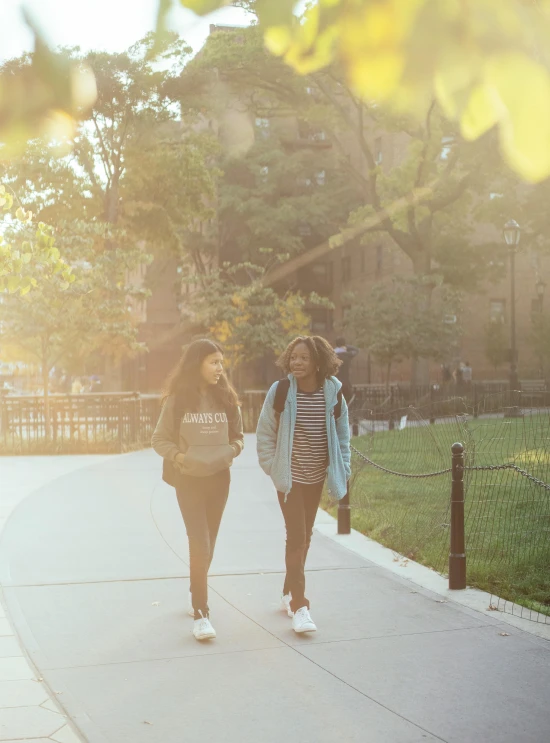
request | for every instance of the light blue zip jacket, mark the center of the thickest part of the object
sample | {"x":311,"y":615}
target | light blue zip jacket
{"x":275,"y":443}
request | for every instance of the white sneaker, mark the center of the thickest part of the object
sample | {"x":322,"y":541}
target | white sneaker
{"x":203,"y":630}
{"x":302,"y":621}
{"x":285,"y":604}
{"x":190,"y":609}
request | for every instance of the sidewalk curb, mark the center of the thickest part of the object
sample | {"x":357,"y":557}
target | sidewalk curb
{"x":420,"y":575}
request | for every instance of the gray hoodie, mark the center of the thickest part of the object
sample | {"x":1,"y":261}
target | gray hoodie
{"x":210,"y":438}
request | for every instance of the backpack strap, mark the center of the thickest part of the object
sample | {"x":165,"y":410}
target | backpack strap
{"x":281,"y":393}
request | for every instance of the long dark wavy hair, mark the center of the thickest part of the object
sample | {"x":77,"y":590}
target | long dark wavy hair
{"x":184,"y":379}
{"x":322,"y":354}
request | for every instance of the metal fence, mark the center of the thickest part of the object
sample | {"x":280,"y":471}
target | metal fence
{"x":87,"y":423}
{"x":90,"y":423}
{"x":400,"y":493}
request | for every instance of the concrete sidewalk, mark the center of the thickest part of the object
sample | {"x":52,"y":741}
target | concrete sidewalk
{"x":94,"y":570}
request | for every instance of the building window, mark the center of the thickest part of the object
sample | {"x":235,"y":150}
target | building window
{"x":262,"y":128}
{"x":346,"y":269}
{"x":317,"y":278}
{"x":378,"y":155}
{"x":379,"y":260}
{"x":497,"y":310}
{"x":321,"y":320}
{"x":536,"y":305}
{"x":446,"y":147}
{"x":311,"y":132}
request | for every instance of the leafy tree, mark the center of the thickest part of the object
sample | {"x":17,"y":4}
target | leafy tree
{"x":20,"y":258}
{"x":281,"y":188}
{"x":484,"y":62}
{"x":249,"y":318}
{"x":130,"y":137}
{"x":43,"y":97}
{"x":137,"y":178}
{"x":73,"y":314}
{"x":423,"y":200}
{"x":394,"y":324}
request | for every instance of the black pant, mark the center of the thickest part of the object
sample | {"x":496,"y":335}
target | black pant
{"x":299,"y":513}
{"x":202,"y":503}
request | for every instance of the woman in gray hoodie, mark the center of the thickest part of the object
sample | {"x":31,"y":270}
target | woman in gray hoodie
{"x":199,"y":434}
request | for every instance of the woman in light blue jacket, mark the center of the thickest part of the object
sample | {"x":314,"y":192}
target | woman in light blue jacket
{"x":304,"y":439}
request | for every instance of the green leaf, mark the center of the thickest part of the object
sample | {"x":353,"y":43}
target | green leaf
{"x":278,"y":13}
{"x":523,"y":86}
{"x":203,"y":7}
{"x":13,"y":283}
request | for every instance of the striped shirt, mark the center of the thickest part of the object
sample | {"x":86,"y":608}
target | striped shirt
{"x":310,"y":446}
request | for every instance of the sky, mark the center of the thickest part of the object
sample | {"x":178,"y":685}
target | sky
{"x":110,"y":25}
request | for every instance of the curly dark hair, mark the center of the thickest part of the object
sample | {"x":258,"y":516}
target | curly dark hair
{"x":184,"y":379}
{"x":321,"y":352}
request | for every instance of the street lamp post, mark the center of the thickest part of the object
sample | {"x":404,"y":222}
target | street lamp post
{"x":541,"y":286}
{"x":512,"y":234}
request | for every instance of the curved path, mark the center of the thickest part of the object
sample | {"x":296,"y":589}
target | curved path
{"x":94,"y":571}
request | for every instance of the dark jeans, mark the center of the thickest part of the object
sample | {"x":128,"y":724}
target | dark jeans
{"x":202,"y":502}
{"x":299,"y":513}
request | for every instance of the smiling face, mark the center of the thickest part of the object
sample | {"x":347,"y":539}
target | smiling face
{"x":212,"y":368}
{"x":302,"y":365}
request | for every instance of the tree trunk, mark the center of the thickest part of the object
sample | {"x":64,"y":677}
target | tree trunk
{"x":388,"y":375}
{"x":422,"y":266}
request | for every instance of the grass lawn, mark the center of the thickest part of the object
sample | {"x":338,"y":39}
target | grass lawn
{"x":507,"y":517}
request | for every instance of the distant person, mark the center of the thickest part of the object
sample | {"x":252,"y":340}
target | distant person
{"x":457,"y":375}
{"x":77,"y":386}
{"x":95,"y":383}
{"x":446,"y":375}
{"x":345,"y":354}
{"x":303,"y":440}
{"x":467,"y":373}
{"x":199,"y":434}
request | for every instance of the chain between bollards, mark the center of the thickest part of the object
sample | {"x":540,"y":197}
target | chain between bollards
{"x":457,"y":555}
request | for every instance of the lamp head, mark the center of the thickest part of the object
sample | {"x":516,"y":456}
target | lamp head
{"x":512,"y":233}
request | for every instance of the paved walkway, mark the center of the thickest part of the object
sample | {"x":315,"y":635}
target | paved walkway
{"x":94,"y":571}
{"x":28,"y":709}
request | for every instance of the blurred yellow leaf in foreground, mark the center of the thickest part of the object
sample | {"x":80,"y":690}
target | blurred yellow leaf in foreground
{"x":484,"y":61}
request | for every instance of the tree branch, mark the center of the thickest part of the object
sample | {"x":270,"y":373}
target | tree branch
{"x":104,"y":152}
{"x":419,"y":180}
{"x":437,"y":205}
